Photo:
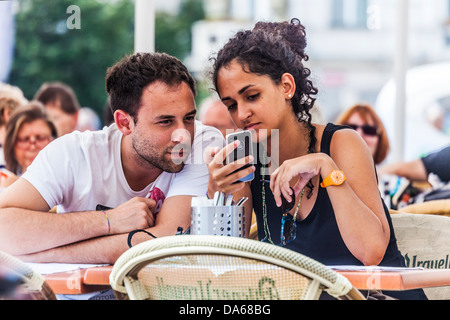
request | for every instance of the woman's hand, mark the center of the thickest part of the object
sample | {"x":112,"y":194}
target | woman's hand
{"x":305,"y":167}
{"x":222,"y":177}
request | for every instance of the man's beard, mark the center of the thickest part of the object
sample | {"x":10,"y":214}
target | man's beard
{"x":154,"y":158}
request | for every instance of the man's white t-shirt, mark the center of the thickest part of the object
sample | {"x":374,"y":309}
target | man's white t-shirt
{"x":81,"y":170}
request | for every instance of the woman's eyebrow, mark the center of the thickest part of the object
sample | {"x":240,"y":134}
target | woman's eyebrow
{"x":240,"y":92}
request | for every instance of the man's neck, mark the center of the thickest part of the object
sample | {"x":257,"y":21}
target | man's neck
{"x":138,"y":173}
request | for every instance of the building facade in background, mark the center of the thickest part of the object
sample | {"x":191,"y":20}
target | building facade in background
{"x":351,"y":43}
{"x":6,"y":39}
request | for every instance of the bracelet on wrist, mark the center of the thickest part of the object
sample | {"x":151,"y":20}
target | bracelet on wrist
{"x":109,"y":224}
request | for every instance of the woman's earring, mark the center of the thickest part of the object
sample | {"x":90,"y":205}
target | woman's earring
{"x":290,"y":96}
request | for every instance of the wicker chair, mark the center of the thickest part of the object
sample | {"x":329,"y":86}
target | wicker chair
{"x":32,"y":284}
{"x":195,"y":267}
{"x":424,"y":239}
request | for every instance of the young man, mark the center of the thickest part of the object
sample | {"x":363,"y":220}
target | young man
{"x":146,"y":167}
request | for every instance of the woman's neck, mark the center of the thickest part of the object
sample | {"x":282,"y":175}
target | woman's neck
{"x":289,"y":142}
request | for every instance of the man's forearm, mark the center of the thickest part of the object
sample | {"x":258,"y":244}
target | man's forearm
{"x":62,"y":244}
{"x":100,"y":250}
{"x":24,"y":231}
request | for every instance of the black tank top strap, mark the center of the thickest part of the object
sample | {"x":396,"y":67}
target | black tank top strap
{"x":328,"y":133}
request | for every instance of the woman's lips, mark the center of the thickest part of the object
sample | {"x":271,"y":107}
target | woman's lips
{"x":251,"y":126}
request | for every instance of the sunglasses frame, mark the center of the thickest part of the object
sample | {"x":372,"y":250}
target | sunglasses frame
{"x":287,"y":217}
{"x":366,"y":129}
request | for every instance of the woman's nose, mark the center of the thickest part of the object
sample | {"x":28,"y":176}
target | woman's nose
{"x":244,"y":113}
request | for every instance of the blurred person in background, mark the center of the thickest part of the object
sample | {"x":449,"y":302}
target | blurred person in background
{"x":215,"y":114}
{"x":11,"y":97}
{"x":28,"y":131}
{"x":363,"y":119}
{"x":88,"y":120}
{"x":62,"y":105}
{"x":418,"y":170}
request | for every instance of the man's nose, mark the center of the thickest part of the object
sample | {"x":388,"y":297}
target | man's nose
{"x":181,"y":135}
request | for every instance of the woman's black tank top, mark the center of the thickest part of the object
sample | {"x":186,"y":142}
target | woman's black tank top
{"x":317,"y":236}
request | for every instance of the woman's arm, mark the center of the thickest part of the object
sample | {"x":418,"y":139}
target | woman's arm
{"x":357,"y":203}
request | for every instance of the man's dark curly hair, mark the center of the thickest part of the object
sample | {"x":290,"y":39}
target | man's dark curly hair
{"x":273,"y":49}
{"x":126,"y":80}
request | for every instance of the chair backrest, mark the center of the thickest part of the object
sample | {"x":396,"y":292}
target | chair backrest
{"x":424,"y":241}
{"x":198,"y":267}
{"x":436,"y":207}
{"x":32,"y":284}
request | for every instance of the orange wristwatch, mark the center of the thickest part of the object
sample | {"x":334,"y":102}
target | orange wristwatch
{"x":335,"y":178}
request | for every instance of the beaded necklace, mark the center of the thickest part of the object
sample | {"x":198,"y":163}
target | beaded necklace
{"x":285,"y":216}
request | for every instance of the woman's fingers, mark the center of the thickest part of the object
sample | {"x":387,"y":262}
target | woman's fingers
{"x":210,"y":153}
{"x":224,"y":177}
{"x":279,"y":184}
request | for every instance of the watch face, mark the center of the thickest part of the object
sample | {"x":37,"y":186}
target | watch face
{"x":337,"y":177}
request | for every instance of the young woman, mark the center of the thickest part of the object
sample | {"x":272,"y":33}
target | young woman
{"x":28,"y":131}
{"x":332,"y":210}
{"x":363,"y":119}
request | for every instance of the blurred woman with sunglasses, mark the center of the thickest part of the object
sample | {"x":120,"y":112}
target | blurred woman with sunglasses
{"x":332,"y":210}
{"x":28,"y":131}
{"x":366,"y":122}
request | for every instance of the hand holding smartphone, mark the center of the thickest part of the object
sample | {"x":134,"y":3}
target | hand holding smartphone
{"x":244,"y":149}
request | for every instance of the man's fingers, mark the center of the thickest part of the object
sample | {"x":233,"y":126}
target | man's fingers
{"x":151,"y":205}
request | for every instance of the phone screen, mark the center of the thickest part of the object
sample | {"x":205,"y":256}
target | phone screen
{"x":244,"y":149}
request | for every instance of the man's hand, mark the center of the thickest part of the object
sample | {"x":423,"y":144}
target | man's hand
{"x":136,"y":213}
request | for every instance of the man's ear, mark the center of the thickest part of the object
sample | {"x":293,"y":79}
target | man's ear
{"x":123,"y":121}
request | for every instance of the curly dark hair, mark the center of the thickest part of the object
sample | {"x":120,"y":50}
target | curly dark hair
{"x":272,"y":49}
{"x":127,"y":78}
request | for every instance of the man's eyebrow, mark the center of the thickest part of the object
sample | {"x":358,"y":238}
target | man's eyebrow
{"x":240,"y":91}
{"x":168,"y":116}
{"x":192,"y":113}
{"x":164,"y":117}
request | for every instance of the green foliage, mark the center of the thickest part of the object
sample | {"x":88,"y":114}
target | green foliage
{"x":173,"y":31}
{"x":46,"y":50}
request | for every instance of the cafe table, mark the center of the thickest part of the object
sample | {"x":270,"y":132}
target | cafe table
{"x":91,"y":278}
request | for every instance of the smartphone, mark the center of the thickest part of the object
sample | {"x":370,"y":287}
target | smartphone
{"x":244,"y":149}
